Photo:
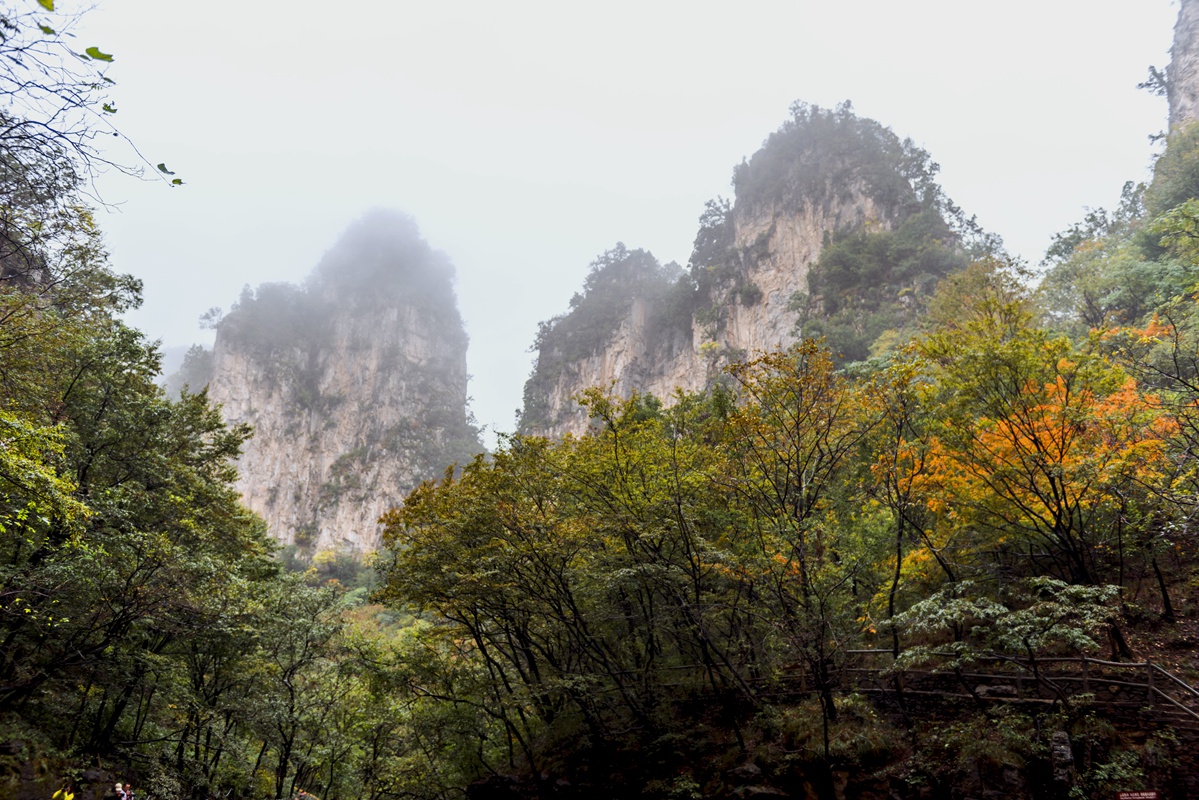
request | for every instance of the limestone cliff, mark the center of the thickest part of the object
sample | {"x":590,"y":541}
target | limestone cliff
{"x":1182,"y":76}
{"x":823,"y":175}
{"x":355,"y":384}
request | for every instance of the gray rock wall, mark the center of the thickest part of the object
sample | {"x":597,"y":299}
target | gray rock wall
{"x":635,"y":360}
{"x":352,"y":416}
{"x":1183,"y":73}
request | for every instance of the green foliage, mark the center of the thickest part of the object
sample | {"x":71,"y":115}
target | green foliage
{"x":32,"y":488}
{"x":276,"y":319}
{"x":821,"y":157}
{"x":1117,"y":268}
{"x":1176,"y":173}
{"x":873,"y":284}
{"x":1049,"y":446}
{"x":1100,"y":224}
{"x":1113,"y":268}
{"x":604,"y":580}
{"x":999,"y":740}
{"x":1106,"y":778}
{"x":1033,"y":617}
{"x":716,"y":260}
{"x":1179,"y":232}
{"x":616,"y":280}
{"x":714,"y":241}
{"x":993,"y":491}
{"x":194,"y":373}
{"x":344,"y":475}
{"x":750,"y":294}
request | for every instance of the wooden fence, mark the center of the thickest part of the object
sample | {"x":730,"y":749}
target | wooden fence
{"x":1009,"y":678}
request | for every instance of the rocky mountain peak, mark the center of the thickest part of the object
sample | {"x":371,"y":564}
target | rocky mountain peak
{"x":354,"y":382}
{"x":825,"y":176}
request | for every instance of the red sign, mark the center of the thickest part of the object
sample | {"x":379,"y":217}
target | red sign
{"x":1150,"y":795}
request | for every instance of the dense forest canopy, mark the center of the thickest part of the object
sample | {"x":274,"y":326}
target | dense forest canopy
{"x":637,"y":598}
{"x":869,"y":288}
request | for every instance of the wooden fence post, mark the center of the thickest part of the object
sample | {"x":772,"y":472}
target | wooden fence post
{"x":1149,"y":682}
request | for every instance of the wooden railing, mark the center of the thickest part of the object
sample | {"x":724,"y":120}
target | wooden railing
{"x":1021,"y":679}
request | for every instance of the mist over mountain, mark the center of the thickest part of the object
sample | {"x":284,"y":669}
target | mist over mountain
{"x":354,"y":383}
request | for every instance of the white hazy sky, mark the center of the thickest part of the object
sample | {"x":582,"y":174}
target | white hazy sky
{"x":528,"y":137}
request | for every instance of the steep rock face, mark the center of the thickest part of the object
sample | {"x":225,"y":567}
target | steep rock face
{"x":1183,"y":73}
{"x":823,"y":174}
{"x":778,"y":245}
{"x":355,"y":385}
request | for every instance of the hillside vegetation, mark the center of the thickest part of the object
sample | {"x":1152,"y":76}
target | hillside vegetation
{"x":678,"y":604}
{"x":674,"y":604}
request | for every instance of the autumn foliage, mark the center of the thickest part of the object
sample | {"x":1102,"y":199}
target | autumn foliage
{"x":748,"y":540}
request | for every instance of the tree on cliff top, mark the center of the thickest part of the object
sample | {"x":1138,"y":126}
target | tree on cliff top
{"x":381,"y":259}
{"x":822,"y":156}
{"x":616,"y":279}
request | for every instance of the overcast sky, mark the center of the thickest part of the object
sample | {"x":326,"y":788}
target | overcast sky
{"x":526,"y":138}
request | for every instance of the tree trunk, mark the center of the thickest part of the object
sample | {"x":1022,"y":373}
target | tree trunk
{"x":1167,"y":606}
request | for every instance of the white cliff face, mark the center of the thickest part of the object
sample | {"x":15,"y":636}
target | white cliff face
{"x":1183,"y":73}
{"x":362,"y":400}
{"x":639,"y":358}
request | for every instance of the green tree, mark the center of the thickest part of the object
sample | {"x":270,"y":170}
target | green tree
{"x":869,"y":288}
{"x":794,"y":439}
{"x":1043,"y":449}
{"x":1175,"y":174}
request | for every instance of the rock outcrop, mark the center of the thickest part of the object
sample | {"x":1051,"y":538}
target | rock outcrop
{"x":822,"y":174}
{"x":355,"y":385}
{"x":1182,"y":76}
{"x":746,"y":316}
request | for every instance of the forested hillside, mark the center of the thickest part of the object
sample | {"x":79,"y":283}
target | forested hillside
{"x":678,"y":603}
{"x":148,"y":632}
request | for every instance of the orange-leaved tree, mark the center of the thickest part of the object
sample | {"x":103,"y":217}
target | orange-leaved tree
{"x":1044,"y":454}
